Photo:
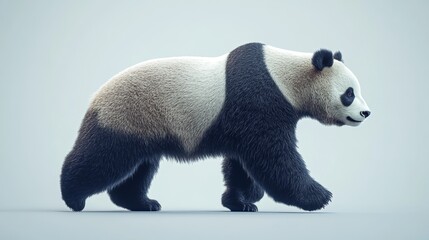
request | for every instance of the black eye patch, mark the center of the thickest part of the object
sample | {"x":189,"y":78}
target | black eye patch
{"x":348,"y":97}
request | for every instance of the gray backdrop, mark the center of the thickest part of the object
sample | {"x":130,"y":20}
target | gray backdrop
{"x":55,"y":54}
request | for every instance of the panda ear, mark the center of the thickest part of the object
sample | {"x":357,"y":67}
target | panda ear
{"x":338,"y":56}
{"x":322,"y":58}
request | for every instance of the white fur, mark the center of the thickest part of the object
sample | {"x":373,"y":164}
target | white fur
{"x":290,"y":71}
{"x":179,"y":96}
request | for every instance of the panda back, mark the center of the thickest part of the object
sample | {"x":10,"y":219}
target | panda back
{"x":172,"y":96}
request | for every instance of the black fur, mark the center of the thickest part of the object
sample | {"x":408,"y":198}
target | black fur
{"x":103,"y":159}
{"x":338,"y":56}
{"x":322,"y":58}
{"x":255,"y":130}
{"x":131,"y":194}
{"x":242,"y":191}
{"x":257,"y":127}
{"x":348,"y":97}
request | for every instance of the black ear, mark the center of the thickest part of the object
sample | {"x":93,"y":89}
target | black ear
{"x":338,"y":56}
{"x":322,"y":58}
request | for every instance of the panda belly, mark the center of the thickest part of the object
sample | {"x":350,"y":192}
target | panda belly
{"x":163,"y":97}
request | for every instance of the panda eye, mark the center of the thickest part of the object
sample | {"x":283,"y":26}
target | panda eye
{"x":348,"y":97}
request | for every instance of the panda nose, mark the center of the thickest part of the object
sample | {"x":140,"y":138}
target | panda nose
{"x":365,"y":114}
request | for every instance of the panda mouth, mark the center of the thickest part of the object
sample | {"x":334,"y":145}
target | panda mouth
{"x":352,"y":120}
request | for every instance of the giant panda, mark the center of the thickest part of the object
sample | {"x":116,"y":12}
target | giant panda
{"x":243,"y":106}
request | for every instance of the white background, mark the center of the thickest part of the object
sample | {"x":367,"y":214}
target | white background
{"x":55,"y":54}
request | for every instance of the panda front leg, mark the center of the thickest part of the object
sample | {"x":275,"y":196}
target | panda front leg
{"x":132,"y":193}
{"x":281,"y":172}
{"x":242,"y":191}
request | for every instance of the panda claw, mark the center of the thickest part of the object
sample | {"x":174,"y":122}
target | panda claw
{"x":243,"y":207}
{"x":154,"y":205}
{"x":136,"y":204}
{"x":249,"y":207}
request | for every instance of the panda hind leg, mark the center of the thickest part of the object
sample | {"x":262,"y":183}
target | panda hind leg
{"x":99,"y":160}
{"x":83,"y":176}
{"x":242,"y":191}
{"x":132,"y":193}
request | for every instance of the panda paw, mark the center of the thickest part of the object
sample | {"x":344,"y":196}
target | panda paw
{"x":152,"y":205}
{"x":242,"y":207}
{"x":249,"y":207}
{"x":134,"y":204}
{"x":313,"y":197}
{"x":231,"y":201}
{"x":75,"y":205}
{"x":145,"y":205}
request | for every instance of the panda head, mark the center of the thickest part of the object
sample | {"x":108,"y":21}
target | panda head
{"x":335,"y":94}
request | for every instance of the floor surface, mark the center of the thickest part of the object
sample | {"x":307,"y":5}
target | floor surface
{"x":50,"y":224}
